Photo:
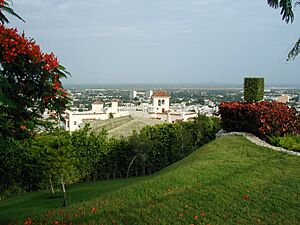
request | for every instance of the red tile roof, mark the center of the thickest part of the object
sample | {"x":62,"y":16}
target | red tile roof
{"x":97,"y":102}
{"x":161,"y":93}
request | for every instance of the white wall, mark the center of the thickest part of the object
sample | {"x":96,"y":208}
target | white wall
{"x":161,"y":103}
{"x":97,"y":108}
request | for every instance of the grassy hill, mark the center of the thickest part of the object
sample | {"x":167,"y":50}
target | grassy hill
{"x":123,"y":126}
{"x":228,"y":181}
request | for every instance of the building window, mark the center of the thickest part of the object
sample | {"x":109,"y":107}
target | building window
{"x":159,"y":102}
{"x":163,"y":102}
{"x":75,"y":123}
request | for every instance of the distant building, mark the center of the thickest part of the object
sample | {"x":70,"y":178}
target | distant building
{"x":160,"y":102}
{"x":74,"y":119}
{"x":133,"y":94}
{"x":209,"y":102}
{"x":97,"y":106}
{"x":160,"y":109}
{"x":149,"y":94}
{"x":114,"y":106}
{"x":283,"y":99}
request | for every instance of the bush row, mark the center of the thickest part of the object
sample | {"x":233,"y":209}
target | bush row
{"x":84,"y":156}
{"x":263,"y":119}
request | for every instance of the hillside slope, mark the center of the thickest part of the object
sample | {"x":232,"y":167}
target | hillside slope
{"x":228,"y":181}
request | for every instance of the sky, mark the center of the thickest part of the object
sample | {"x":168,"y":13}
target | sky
{"x":163,"y":41}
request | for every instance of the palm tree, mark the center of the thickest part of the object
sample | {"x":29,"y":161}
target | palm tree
{"x":288,"y":16}
{"x":4,"y":8}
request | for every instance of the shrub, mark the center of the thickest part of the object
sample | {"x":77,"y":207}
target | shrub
{"x":263,"y":119}
{"x":291,"y":142}
{"x":27,"y":165}
{"x":253,"y":89}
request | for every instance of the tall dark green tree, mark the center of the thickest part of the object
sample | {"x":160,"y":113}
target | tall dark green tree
{"x":287,"y":7}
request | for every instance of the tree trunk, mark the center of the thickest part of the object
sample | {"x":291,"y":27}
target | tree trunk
{"x":130,"y":164}
{"x":52,"y":189}
{"x":65,"y":193}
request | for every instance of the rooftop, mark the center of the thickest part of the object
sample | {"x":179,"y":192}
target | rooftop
{"x":161,"y":93}
{"x":97,"y":103}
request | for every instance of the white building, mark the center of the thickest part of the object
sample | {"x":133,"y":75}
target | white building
{"x":149,"y":94}
{"x":209,"y":102}
{"x":133,"y":94}
{"x":283,"y":99}
{"x":98,"y":106}
{"x":160,"y":109}
{"x":160,"y":102}
{"x":74,"y":119}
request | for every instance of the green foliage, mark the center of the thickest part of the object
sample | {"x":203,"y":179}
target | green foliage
{"x":294,"y":51}
{"x":28,"y":165}
{"x":228,"y":181}
{"x":287,"y":13}
{"x":89,"y":156}
{"x":4,"y":7}
{"x":286,"y":9}
{"x":291,"y":142}
{"x":253,"y":89}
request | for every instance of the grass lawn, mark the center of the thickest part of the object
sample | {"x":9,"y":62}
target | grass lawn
{"x":228,"y":181}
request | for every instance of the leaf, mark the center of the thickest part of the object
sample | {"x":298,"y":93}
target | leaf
{"x":10,"y":11}
{"x":294,"y":51}
{"x":273,"y":3}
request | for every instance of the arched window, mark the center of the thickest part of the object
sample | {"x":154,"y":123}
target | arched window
{"x":163,"y":102}
{"x":159,"y":102}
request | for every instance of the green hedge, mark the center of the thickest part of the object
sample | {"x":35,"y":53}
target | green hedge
{"x":253,"y":89}
{"x":291,"y":142}
{"x":84,"y":156}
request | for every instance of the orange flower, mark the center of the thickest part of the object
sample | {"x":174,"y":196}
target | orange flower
{"x":94,"y":210}
{"x":196,"y":217}
{"x":56,"y":222}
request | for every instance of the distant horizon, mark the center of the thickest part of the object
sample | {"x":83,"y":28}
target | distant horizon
{"x":177,"y":85}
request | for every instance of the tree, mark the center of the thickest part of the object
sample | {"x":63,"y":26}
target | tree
{"x":4,"y":7}
{"x":287,"y":13}
{"x":30,"y":82}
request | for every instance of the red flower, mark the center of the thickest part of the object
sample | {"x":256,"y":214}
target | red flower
{"x":23,"y":127}
{"x":28,"y":221}
{"x":245,"y":197}
{"x":203,"y":214}
{"x":56,"y":85}
{"x":56,"y":222}
{"x":94,"y":210}
{"x":196,"y":217}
